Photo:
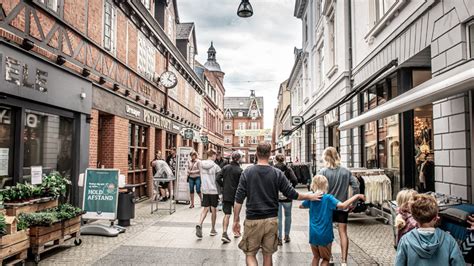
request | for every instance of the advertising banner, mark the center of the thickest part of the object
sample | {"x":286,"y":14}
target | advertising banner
{"x":253,"y":132}
{"x":182,"y":187}
{"x":101,"y":194}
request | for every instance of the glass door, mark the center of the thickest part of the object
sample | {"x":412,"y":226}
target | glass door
{"x":7,"y":129}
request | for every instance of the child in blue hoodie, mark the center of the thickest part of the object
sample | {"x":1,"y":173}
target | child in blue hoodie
{"x":427,"y":245}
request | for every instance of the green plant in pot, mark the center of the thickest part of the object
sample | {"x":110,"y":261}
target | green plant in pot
{"x":3,"y":225}
{"x":54,"y":185}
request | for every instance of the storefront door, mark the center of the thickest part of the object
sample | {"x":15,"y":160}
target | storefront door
{"x":137,"y":158}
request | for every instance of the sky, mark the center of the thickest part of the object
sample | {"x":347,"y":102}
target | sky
{"x":255,"y":53}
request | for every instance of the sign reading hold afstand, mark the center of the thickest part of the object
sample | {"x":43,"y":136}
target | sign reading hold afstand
{"x":101,"y":194}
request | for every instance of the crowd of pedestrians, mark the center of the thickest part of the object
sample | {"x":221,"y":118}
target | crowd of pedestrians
{"x":268,"y":190}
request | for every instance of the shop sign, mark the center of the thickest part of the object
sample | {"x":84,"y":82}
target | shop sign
{"x":19,"y":74}
{"x":188,"y":134}
{"x":331,"y":118}
{"x":204,"y":139}
{"x":296,"y":120}
{"x":131,"y":111}
{"x":253,"y":132}
{"x":101,"y":194}
{"x":176,"y":127}
{"x":156,"y":120}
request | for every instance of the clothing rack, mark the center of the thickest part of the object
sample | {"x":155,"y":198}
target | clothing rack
{"x":371,"y":208}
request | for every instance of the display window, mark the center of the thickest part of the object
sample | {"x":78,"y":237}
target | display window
{"x":7,"y":129}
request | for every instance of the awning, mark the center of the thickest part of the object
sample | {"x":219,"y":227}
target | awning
{"x":453,"y":82}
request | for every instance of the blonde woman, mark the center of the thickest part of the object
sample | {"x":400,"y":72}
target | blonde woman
{"x":339,"y":180}
{"x":404,"y":222}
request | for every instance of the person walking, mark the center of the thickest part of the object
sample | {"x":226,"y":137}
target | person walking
{"x":194,"y":177}
{"x":285,"y":204}
{"x":260,"y":185}
{"x":221,"y":162}
{"x":162,"y":170}
{"x":210,"y":197}
{"x":228,"y":178}
{"x":339,"y":178}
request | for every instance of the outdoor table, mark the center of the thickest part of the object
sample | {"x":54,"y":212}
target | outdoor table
{"x":155,"y":200}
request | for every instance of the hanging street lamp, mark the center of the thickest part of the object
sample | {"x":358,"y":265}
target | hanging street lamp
{"x":245,"y":9}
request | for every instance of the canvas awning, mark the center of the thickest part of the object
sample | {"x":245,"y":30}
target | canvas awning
{"x":447,"y":84}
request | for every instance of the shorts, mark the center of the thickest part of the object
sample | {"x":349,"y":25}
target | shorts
{"x":324,"y":252}
{"x":195,"y":181}
{"x":260,"y":233}
{"x":227,"y":207}
{"x":340,"y":216}
{"x":164,"y":185}
{"x":210,"y":200}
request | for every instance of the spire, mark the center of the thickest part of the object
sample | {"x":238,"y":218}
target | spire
{"x":211,"y":63}
{"x":252,"y":93}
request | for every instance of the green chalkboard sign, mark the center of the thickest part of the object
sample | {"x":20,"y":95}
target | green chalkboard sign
{"x":101,"y":194}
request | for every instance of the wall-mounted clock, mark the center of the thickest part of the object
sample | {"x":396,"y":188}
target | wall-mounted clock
{"x":169,"y":79}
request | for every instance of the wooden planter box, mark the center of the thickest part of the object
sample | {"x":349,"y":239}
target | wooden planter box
{"x":45,"y":238}
{"x":14,"y":247}
{"x":31,"y":207}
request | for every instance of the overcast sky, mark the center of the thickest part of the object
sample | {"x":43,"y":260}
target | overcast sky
{"x":255,"y":53}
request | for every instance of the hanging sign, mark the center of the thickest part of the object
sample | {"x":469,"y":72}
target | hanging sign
{"x":36,"y":175}
{"x":253,"y":132}
{"x":296,"y":120}
{"x":182,"y":187}
{"x":101,"y":194}
{"x":204,"y":139}
{"x":188,"y":134}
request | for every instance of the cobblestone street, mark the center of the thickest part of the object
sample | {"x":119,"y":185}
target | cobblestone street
{"x":170,"y":240}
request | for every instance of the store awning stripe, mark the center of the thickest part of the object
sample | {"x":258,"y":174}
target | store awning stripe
{"x":447,"y":84}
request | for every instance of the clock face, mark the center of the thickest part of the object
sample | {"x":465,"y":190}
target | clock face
{"x":168,"y":79}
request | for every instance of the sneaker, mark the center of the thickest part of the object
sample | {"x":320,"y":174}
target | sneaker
{"x":287,"y":239}
{"x":199,"y":231}
{"x":225,"y":238}
{"x":213,"y":232}
{"x":280,"y":243}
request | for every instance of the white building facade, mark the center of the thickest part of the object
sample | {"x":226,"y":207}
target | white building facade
{"x":401,"y":95}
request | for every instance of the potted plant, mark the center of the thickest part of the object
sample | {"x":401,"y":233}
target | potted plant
{"x":3,"y":225}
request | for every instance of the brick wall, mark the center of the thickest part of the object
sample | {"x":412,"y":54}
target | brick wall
{"x":452,"y":146}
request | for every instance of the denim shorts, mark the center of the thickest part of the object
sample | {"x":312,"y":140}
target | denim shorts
{"x":195,"y":181}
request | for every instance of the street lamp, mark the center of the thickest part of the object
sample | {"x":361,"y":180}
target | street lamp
{"x":245,"y":9}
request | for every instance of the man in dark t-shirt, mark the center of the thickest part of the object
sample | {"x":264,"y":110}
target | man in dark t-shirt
{"x":260,"y":185}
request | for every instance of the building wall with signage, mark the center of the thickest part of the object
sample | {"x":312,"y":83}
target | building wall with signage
{"x":122,"y":49}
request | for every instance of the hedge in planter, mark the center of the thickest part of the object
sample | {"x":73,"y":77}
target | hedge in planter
{"x":3,"y":225}
{"x":49,"y":216}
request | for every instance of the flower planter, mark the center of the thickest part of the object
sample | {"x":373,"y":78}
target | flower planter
{"x":28,"y":207}
{"x":14,"y":247}
{"x":45,"y":238}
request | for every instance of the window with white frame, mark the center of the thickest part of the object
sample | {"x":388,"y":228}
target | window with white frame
{"x":378,"y":8}
{"x":228,"y":126}
{"x":227,"y":140}
{"x":240,"y":114}
{"x":146,"y":57}
{"x":228,"y":115}
{"x":109,"y":26}
{"x":170,"y":29}
{"x":242,"y":141}
{"x":253,"y":140}
{"x":306,"y":79}
{"x":305,"y":33}
{"x":332,"y":38}
{"x":253,"y":125}
{"x":471,"y":39}
{"x":51,"y":4}
{"x":321,"y":63}
{"x":147,"y":4}
{"x":241,"y":126}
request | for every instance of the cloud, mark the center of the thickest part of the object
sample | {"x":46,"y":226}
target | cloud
{"x":255,"y":53}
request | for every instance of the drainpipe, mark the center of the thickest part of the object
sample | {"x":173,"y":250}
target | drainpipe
{"x":166,"y":89}
{"x":351,"y":105}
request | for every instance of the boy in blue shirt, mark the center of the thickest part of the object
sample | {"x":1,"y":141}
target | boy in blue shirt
{"x":321,"y":233}
{"x":427,"y":245}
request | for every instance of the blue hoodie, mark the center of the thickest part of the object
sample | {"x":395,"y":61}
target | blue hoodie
{"x":424,"y":248}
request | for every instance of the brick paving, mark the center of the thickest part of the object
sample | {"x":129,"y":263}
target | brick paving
{"x":169,"y":240}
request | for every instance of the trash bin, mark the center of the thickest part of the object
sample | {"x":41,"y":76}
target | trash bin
{"x":126,"y":207}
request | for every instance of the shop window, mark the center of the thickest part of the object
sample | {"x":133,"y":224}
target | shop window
{"x":242,"y":141}
{"x":137,"y":158}
{"x":47,"y":143}
{"x":424,"y":154}
{"x":109,"y":26}
{"x":7,"y":128}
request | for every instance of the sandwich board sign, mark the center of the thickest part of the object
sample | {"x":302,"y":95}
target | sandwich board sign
{"x":101,"y":194}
